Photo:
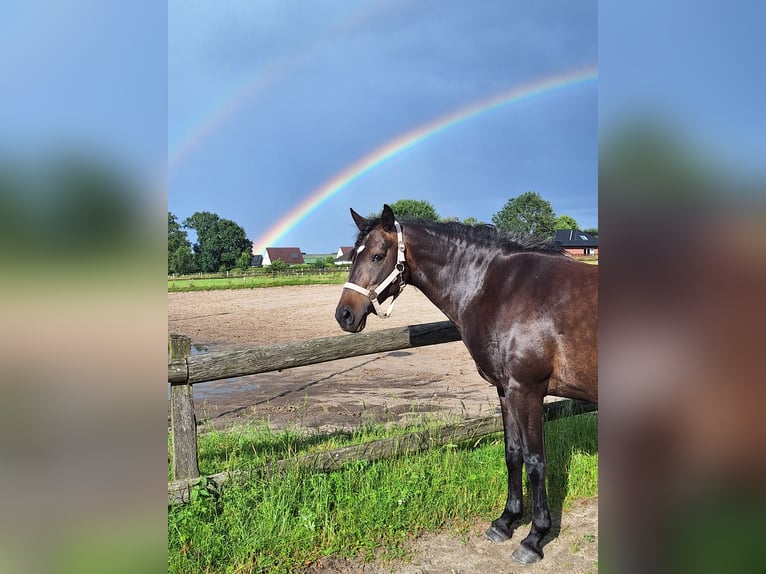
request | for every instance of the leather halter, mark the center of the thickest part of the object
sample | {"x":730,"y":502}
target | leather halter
{"x":396,"y":273}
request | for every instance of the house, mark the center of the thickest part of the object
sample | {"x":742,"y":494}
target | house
{"x":289,"y":255}
{"x":343,"y":256}
{"x":576,"y":242}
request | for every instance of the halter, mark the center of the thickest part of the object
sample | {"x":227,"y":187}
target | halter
{"x":396,"y":273}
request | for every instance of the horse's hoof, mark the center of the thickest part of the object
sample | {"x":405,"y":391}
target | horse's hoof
{"x":524,"y":555}
{"x":494,"y":534}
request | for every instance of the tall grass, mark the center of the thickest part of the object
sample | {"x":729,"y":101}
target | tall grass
{"x":285,"y":522}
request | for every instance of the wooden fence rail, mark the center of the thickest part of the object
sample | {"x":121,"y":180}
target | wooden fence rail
{"x":179,"y":491}
{"x":227,"y":364}
{"x":185,"y":370}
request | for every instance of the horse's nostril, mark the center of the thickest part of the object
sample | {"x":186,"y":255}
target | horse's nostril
{"x":344,"y":316}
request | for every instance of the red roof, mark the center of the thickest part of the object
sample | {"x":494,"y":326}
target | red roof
{"x":290,"y":255}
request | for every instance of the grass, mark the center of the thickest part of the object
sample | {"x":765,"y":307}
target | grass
{"x":256,"y":281}
{"x":262,"y":278}
{"x":367,"y":509}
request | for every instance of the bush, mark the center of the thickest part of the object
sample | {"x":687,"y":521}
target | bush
{"x":278,"y":265}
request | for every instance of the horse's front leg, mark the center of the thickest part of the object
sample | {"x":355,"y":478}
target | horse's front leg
{"x":528,"y":411}
{"x":500,"y":530}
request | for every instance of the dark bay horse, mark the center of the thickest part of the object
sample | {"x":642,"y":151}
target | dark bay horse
{"x":526,"y":311}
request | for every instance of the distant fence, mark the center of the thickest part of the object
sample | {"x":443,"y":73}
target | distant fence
{"x":264,"y":272}
{"x":184,"y":370}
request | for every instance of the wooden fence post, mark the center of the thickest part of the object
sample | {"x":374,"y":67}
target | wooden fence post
{"x":183,"y":422}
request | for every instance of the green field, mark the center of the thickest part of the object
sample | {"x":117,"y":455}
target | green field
{"x":261,"y":278}
{"x":287,"y":521}
{"x":256,"y":281}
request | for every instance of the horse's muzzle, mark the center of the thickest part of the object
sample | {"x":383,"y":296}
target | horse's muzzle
{"x":348,"y":320}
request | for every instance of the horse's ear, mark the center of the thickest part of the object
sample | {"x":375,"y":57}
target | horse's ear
{"x":387,"y":218}
{"x":360,"y":221}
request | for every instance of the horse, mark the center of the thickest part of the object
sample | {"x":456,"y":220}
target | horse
{"x":526,"y":311}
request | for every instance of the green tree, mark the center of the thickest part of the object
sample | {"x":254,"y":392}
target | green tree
{"x":412,"y":209}
{"x":528,"y":214}
{"x":565,"y":222}
{"x":203,"y":223}
{"x":471,"y":221}
{"x":220,"y":242}
{"x":243,"y":261}
{"x":592,"y":231}
{"x":230,"y":241}
{"x":278,"y":265}
{"x":181,"y":261}
{"x":180,"y":256}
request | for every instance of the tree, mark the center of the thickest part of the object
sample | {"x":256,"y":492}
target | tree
{"x":528,"y":214}
{"x":220,"y":242}
{"x":278,"y":265}
{"x":181,"y":261}
{"x":230,"y":241}
{"x":592,"y":231}
{"x":203,"y":222}
{"x":471,"y":221}
{"x":180,"y":256}
{"x":243,"y":261}
{"x":565,"y":222}
{"x":412,"y":209}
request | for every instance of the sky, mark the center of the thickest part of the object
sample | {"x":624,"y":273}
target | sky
{"x":282,"y":115}
{"x":58,"y":93}
{"x":697,"y":66}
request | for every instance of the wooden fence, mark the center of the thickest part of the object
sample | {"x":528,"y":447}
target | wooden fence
{"x":184,"y":370}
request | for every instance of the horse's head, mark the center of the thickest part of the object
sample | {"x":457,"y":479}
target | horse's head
{"x":377,"y":270}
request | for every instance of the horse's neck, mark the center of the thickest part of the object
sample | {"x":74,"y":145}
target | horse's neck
{"x":446,"y":272}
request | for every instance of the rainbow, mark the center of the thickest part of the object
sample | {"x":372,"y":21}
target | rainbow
{"x":220,"y":111}
{"x":409,"y":140}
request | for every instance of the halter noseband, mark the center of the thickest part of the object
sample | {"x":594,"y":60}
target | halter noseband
{"x":396,"y":273}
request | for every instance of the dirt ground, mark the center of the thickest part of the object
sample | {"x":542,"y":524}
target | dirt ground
{"x":390,"y":387}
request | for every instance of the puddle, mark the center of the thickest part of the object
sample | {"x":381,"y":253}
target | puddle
{"x":196,"y":350}
{"x":220,"y":388}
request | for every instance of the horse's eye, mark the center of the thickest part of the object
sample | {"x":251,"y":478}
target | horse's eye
{"x":377,"y":257}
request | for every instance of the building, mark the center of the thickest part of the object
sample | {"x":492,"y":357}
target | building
{"x":289,"y":255}
{"x":343,"y":256}
{"x":576,"y":242}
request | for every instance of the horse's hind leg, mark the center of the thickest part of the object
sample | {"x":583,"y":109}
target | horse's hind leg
{"x":500,"y":530}
{"x":529,"y":413}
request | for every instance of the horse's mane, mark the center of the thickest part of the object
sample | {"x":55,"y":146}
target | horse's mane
{"x":482,"y":234}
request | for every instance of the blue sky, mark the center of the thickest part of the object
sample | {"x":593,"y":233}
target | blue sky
{"x":332,"y":81}
{"x":73,"y":77}
{"x":269,"y":100}
{"x":698,"y":66}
